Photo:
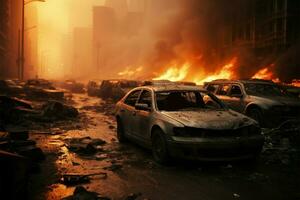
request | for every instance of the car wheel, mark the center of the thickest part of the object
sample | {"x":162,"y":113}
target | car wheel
{"x":255,"y":114}
{"x":120,"y":132}
{"x":159,"y":147}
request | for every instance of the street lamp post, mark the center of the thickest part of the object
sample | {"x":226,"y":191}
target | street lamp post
{"x":23,"y":32}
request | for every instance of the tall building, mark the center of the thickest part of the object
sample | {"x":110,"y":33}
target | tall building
{"x":104,"y":33}
{"x":31,"y":41}
{"x":267,"y":27}
{"x":82,"y":52}
{"x":120,"y":7}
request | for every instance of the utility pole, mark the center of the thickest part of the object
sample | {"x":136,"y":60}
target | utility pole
{"x":19,"y":55}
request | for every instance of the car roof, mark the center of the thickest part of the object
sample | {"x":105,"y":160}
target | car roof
{"x":172,"y":87}
{"x":259,"y":81}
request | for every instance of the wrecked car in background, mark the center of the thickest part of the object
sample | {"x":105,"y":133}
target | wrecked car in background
{"x":72,"y":86}
{"x":264,"y":101}
{"x":116,"y":89}
{"x":185,"y":121}
{"x":93,"y":88}
{"x":40,"y":88}
{"x":9,"y":87}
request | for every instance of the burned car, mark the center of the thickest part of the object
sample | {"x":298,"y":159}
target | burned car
{"x":116,"y":89}
{"x":73,"y":86}
{"x":93,"y":88}
{"x":40,"y":88}
{"x":9,"y":87}
{"x":266,"y":102}
{"x":179,"y":121}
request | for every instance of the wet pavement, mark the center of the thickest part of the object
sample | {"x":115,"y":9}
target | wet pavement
{"x":128,"y":171}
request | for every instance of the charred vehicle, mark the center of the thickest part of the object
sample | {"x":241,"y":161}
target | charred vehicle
{"x":116,"y":89}
{"x":93,"y":87}
{"x":39,"y":88}
{"x":180,"y":121}
{"x":9,"y":87}
{"x":73,"y":86}
{"x":266,"y":102}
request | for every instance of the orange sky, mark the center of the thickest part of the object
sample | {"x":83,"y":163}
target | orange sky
{"x":57,"y":18}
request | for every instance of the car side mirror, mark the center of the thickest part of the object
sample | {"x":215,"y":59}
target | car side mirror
{"x":142,"y":106}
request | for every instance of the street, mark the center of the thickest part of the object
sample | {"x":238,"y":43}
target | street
{"x":129,"y":172}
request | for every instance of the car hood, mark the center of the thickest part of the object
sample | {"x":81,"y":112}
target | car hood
{"x":211,"y":119}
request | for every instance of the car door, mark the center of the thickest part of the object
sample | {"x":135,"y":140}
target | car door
{"x":128,"y":112}
{"x":236,"y":98}
{"x":143,"y":117}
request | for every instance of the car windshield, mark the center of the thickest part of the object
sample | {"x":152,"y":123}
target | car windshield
{"x":186,"y":100}
{"x":264,"y":89}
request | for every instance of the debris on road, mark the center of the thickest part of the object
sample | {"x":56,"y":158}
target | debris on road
{"x":76,"y":179}
{"x":133,"y":196}
{"x":236,"y":195}
{"x":72,"y":179}
{"x":14,"y":175}
{"x":55,"y":110}
{"x":80,"y":193}
{"x":113,"y":167}
{"x":85,"y":145}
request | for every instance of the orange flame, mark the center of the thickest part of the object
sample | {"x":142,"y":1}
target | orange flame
{"x":296,"y":82}
{"x":175,"y":73}
{"x":266,"y":74}
{"x":226,"y":72}
{"x":129,"y":72}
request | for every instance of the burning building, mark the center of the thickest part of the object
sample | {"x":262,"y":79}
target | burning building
{"x":261,"y":36}
{"x":269,"y":31}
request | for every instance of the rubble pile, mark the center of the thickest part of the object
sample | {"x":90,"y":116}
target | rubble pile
{"x":85,"y":145}
{"x":80,"y":193}
{"x":55,"y":110}
{"x":18,"y":157}
{"x":108,"y":108}
{"x":282,"y":143}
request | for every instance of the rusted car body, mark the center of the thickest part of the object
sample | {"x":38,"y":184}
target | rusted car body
{"x":9,"y":87}
{"x":264,"y":101}
{"x":116,"y":89}
{"x":93,"y":87}
{"x":176,"y":121}
{"x":73,"y":86}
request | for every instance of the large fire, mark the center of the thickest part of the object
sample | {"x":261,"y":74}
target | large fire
{"x":182,"y":73}
{"x":175,"y":73}
{"x":266,"y":74}
{"x":226,"y":72}
{"x":296,"y":83}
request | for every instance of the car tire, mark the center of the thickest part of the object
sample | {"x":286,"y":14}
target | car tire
{"x":120,"y":132}
{"x":255,"y":114}
{"x":159,"y":147}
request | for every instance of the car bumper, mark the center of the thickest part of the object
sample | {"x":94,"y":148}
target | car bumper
{"x":216,"y":149}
